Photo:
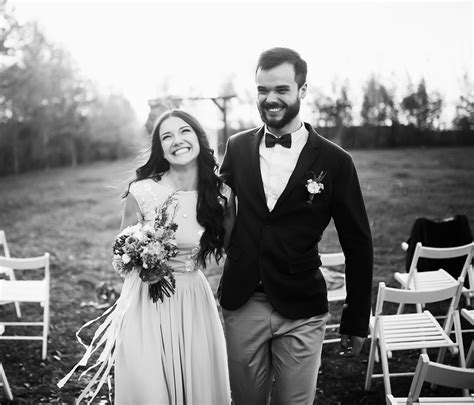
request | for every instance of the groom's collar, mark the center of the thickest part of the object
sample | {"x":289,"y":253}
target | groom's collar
{"x":313,"y":136}
{"x":297,"y":132}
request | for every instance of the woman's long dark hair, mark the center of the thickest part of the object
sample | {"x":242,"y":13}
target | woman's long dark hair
{"x":210,"y":212}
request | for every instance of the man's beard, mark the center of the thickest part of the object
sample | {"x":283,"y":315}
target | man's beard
{"x":291,"y":112}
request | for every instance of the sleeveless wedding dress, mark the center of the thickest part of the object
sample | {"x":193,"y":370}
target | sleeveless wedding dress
{"x":172,"y":352}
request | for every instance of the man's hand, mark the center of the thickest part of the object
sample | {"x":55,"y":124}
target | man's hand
{"x":352,"y":344}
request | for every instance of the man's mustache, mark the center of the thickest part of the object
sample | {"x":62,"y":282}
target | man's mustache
{"x":274,"y":105}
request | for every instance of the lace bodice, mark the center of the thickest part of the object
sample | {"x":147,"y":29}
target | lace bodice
{"x":150,"y":195}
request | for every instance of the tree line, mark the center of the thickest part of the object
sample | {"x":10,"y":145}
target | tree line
{"x":50,"y":115}
{"x":418,"y":107}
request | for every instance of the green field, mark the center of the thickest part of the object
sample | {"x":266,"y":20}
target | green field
{"x":74,"y":213}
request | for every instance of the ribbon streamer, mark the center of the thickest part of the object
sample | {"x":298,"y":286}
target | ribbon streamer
{"x":107,"y":335}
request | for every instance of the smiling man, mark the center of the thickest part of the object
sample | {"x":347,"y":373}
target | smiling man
{"x":280,"y":92}
{"x":289,"y":182}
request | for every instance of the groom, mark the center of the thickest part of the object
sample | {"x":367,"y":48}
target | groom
{"x":289,"y":182}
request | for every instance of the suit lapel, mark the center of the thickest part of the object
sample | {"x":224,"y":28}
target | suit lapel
{"x":308,"y":155}
{"x":254,"y":177}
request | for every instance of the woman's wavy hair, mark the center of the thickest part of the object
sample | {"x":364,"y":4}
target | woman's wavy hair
{"x":210,"y":212}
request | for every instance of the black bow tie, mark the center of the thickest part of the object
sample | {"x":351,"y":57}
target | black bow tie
{"x":271,"y":140}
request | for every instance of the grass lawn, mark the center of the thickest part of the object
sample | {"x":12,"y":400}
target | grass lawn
{"x":75,"y":213}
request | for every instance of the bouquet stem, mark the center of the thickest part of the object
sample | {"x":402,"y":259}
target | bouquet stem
{"x":161,"y":288}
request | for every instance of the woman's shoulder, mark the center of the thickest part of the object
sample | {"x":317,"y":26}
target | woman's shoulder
{"x":146,"y":187}
{"x":140,"y":186}
{"x":149,"y":194}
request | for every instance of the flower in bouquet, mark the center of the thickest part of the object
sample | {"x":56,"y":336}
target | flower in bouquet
{"x":146,"y":248}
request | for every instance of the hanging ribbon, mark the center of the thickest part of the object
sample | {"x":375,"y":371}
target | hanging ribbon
{"x":107,"y":335}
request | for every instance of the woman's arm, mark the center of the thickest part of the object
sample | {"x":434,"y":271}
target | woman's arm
{"x":131,"y":212}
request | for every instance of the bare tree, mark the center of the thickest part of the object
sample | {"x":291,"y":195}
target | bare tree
{"x":377,"y":106}
{"x":423,"y":109}
{"x":464,"y":118}
{"x":334,"y":110}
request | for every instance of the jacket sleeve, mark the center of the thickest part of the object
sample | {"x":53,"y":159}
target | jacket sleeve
{"x":226,"y":170}
{"x":352,"y":225}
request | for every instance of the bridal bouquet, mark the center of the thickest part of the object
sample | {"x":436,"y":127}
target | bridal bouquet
{"x":147,"y":248}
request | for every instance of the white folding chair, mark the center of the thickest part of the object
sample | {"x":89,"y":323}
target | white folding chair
{"x":468,"y":314}
{"x":427,"y":280}
{"x":413,"y":331}
{"x":469,"y":292}
{"x":28,"y":290}
{"x":439,"y":374}
{"x":5,"y":384}
{"x":338,"y":294}
{"x":8,"y":271}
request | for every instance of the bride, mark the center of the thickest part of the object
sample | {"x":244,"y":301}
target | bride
{"x":173,"y":352}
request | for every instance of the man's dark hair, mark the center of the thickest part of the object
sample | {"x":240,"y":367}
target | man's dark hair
{"x":276,"y":56}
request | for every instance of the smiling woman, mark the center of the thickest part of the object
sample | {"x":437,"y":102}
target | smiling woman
{"x":180,"y":147}
{"x":178,"y":341}
{"x":182,"y":163}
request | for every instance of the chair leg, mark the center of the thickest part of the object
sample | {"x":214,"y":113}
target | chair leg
{"x":45,"y":330}
{"x":4,"y":381}
{"x":385,"y":369}
{"x":462,"y":359}
{"x":18,"y":309}
{"x":44,"y":350}
{"x":386,"y":372}
{"x":470,"y":355}
{"x":400,"y":309}
{"x":457,"y":330}
{"x":370,"y":363}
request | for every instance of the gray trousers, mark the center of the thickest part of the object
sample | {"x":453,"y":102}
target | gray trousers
{"x":272,"y":359}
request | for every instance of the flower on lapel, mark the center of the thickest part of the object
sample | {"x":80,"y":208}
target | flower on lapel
{"x":314,"y":185}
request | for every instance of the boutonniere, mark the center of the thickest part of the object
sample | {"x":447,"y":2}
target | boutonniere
{"x":314,"y":185}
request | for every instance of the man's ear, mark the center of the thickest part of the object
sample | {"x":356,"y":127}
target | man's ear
{"x":303,"y":90}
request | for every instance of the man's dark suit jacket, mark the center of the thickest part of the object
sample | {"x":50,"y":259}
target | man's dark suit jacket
{"x":280,"y":247}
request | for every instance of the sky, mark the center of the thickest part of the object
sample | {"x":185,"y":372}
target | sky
{"x":195,"y":46}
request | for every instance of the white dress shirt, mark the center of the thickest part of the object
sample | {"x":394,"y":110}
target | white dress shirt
{"x":277,"y":164}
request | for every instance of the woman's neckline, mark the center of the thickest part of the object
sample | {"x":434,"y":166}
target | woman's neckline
{"x":176,"y":190}
{"x":167,"y":182}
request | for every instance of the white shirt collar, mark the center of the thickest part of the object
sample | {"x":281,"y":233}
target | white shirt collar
{"x":301,"y":130}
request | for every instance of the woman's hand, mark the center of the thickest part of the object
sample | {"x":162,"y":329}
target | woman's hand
{"x":352,"y":344}
{"x":151,"y":279}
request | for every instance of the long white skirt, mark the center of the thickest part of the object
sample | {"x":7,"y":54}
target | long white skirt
{"x":173,"y":352}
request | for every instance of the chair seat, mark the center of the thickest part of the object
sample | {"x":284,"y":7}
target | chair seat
{"x":414,"y":331}
{"x":25,"y":291}
{"x":338,"y":294}
{"x":427,"y":280}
